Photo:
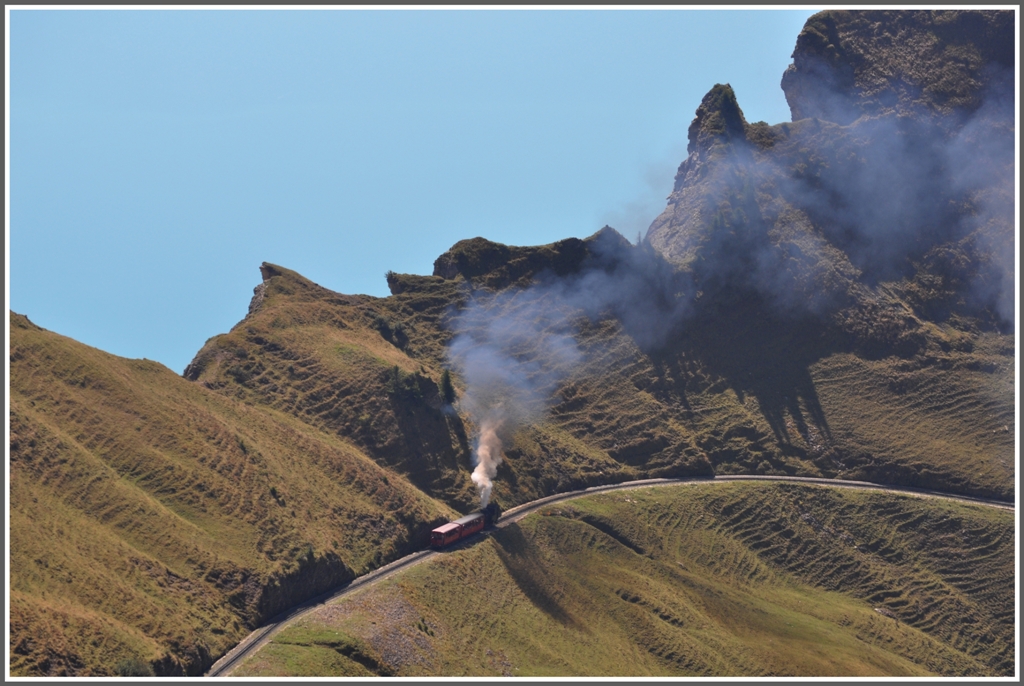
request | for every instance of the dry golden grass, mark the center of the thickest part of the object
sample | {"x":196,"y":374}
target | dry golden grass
{"x":697,"y":580}
{"x":174,"y":514}
{"x":310,"y":443}
{"x":737,"y":391}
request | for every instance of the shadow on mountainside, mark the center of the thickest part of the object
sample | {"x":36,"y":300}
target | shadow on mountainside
{"x":523,"y":562}
{"x":755,"y":353}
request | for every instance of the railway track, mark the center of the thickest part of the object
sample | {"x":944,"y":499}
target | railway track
{"x":263,"y":634}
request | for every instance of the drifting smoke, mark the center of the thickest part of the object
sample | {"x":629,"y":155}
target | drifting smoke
{"x":828,"y":207}
{"x":983,"y":152}
{"x":513,"y":348}
{"x":895,"y":188}
{"x":511,"y":351}
{"x":870,"y":200}
{"x":633,"y":218}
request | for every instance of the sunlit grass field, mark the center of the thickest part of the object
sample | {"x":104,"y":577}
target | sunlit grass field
{"x":153,"y":519}
{"x":696,"y":580}
{"x":160,"y":518}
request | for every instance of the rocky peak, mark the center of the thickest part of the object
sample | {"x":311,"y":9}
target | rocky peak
{"x":717,"y":124}
{"x":269,"y":271}
{"x":900,"y":150}
{"x":494,"y":265}
{"x":719,"y":119}
{"x":852,"y":63}
{"x":471,"y":257}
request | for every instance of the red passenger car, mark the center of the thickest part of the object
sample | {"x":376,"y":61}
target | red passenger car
{"x":447,"y":534}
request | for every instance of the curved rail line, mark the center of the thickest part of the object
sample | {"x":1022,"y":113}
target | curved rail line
{"x":260,"y":636}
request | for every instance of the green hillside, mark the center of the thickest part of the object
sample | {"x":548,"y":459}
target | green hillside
{"x":152,"y":519}
{"x":738,"y":390}
{"x":695,"y":580}
{"x":830,"y":297}
{"x":312,"y":443}
{"x":368,"y":369}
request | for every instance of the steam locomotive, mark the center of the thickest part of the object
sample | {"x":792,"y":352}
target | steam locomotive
{"x":449,"y":533}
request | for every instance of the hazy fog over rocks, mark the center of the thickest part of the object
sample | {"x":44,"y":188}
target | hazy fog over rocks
{"x":874,"y":181}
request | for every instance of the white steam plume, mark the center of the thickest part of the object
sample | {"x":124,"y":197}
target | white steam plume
{"x":511,"y":350}
{"x":488,"y":456}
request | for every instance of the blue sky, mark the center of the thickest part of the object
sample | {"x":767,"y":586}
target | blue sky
{"x":158,"y":157}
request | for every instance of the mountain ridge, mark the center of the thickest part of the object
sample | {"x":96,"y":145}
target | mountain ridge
{"x":826,"y":297}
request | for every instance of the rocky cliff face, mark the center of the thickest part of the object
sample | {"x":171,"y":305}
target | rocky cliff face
{"x":853,"y":63}
{"x":896,"y":170}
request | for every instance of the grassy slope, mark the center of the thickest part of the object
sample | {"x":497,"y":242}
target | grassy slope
{"x":322,"y":357}
{"x":317,"y":355}
{"x":947,"y":424}
{"x":151,"y":517}
{"x":736,"y":579}
{"x":207,"y":506}
{"x":175,"y":477}
{"x":735,"y":391}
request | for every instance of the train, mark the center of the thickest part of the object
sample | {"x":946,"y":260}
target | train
{"x":463,"y":527}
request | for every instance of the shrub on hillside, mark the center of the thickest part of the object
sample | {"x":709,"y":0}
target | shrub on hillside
{"x":133,"y":666}
{"x":447,"y":389}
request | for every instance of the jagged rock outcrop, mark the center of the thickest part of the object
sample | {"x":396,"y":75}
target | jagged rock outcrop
{"x":719,"y":119}
{"x":853,"y":63}
{"x":495,"y":265}
{"x":897,"y":168}
{"x":715,"y":134}
{"x":729,"y":222}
